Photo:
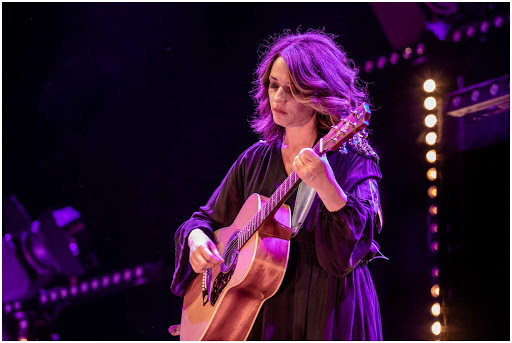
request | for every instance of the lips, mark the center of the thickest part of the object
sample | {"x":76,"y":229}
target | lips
{"x":279,"y":111}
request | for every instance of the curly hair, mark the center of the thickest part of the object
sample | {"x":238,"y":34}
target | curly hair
{"x":321,"y":76}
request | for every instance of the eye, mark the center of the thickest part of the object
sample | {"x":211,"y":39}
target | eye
{"x":273,"y":86}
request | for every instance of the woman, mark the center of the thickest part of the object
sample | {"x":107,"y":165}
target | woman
{"x":304,"y":86}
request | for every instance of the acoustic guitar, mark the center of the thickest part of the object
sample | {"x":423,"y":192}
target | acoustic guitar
{"x":223,"y":302}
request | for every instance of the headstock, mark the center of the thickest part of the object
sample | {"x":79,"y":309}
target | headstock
{"x":346,"y":128}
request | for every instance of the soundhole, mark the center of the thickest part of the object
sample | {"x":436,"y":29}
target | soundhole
{"x":226,"y":270}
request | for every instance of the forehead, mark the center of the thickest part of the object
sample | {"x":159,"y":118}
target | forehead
{"x":279,"y":70}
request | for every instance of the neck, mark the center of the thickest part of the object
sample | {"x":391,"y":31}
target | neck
{"x":297,"y":138}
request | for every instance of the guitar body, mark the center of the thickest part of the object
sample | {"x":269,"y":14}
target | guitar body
{"x":258,"y":273}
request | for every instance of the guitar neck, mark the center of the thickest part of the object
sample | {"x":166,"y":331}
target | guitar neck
{"x":274,"y":202}
{"x":337,"y":136}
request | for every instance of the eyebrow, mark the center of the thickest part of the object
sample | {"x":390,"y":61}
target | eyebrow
{"x":275,"y":79}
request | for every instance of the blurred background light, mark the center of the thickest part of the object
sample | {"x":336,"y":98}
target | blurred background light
{"x":431,"y":156}
{"x":429,"y":85}
{"x":431,"y":138}
{"x":435,"y":291}
{"x":430,"y":103}
{"x":436,"y":309}
{"x":432,"y":191}
{"x":430,"y":120}
{"x":432,"y":174}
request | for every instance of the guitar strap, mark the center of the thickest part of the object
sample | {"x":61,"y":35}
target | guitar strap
{"x":303,"y":202}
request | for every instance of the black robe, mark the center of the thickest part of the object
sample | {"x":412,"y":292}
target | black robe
{"x":327,"y":292}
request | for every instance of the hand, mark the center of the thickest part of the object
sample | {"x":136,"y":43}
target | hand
{"x":203,"y":252}
{"x":317,"y":174}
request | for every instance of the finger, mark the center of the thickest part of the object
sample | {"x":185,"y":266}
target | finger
{"x":207,"y":254}
{"x":308,"y":155}
{"x":215,"y":252}
{"x":200,"y":262}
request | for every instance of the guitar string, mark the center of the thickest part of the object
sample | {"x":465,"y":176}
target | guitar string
{"x":261,"y":213}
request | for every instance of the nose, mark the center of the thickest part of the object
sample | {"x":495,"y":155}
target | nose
{"x":280,"y":95}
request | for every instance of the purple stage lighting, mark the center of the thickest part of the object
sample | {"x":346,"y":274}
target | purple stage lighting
{"x":105,"y":281}
{"x":484,"y":26}
{"x":381,"y":62}
{"x":73,"y":290}
{"x":457,"y":35}
{"x":493,"y":90}
{"x":470,"y":31}
{"x":7,"y":237}
{"x":116,"y":278}
{"x":54,"y":296}
{"x":127,"y":275}
{"x":74,"y":248}
{"x":84,"y":286}
{"x":435,"y":272}
{"x":23,"y":324}
{"x":407,"y":53}
{"x":368,"y":66}
{"x":63,"y":293}
{"x":498,"y":21}
{"x":7,"y":308}
{"x":456,"y":101}
{"x":95,"y":284}
{"x":17,"y":306}
{"x":138,"y":271}
{"x":420,"y":49}
{"x":393,"y":59}
{"x":475,"y":95}
{"x":43,"y":298}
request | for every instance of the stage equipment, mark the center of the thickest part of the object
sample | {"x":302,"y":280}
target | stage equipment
{"x":474,"y":209}
{"x":35,"y":253}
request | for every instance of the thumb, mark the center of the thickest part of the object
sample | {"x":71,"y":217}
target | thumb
{"x":214,"y":250}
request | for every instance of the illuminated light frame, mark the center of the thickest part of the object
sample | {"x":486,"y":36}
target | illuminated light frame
{"x":432,"y":193}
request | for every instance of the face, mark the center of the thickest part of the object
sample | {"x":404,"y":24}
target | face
{"x":286,"y":111}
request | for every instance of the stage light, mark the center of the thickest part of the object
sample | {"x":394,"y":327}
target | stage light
{"x":393,"y":59}
{"x":431,"y":138}
{"x":434,"y":246}
{"x":420,"y":49}
{"x":7,"y":308}
{"x":470,"y":31}
{"x":84,"y":287}
{"x":127,"y":275}
{"x":17,"y":305}
{"x":95,"y":284}
{"x":429,"y":85}
{"x":138,"y":271}
{"x":381,"y":62}
{"x":432,"y":192}
{"x":63,"y":293}
{"x":498,"y":21}
{"x":116,"y":278}
{"x":407,"y":53}
{"x":432,"y":174}
{"x":430,"y":103}
{"x":73,"y":290}
{"x":475,"y":95}
{"x":436,"y":309}
{"x":435,"y":291}
{"x":484,"y":27}
{"x":105,"y":281}
{"x":435,"y":272}
{"x":74,"y":248}
{"x":23,"y":324}
{"x":22,"y":339}
{"x":430,"y":120}
{"x":456,"y":101}
{"x":54,"y":296}
{"x":368,"y":66}
{"x":433,"y":228}
{"x":432,"y":210}
{"x":457,"y":35}
{"x":493,"y":90}
{"x":431,"y":156}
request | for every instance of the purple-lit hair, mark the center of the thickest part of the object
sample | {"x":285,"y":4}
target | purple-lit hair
{"x":321,"y":77}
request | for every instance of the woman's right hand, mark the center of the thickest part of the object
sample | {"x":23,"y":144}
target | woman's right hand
{"x":203,"y":252}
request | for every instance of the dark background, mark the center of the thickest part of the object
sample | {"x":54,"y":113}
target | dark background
{"x":133,"y":113}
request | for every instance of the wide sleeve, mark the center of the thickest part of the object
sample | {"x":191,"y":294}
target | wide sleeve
{"x":220,"y":211}
{"x":344,"y":237}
